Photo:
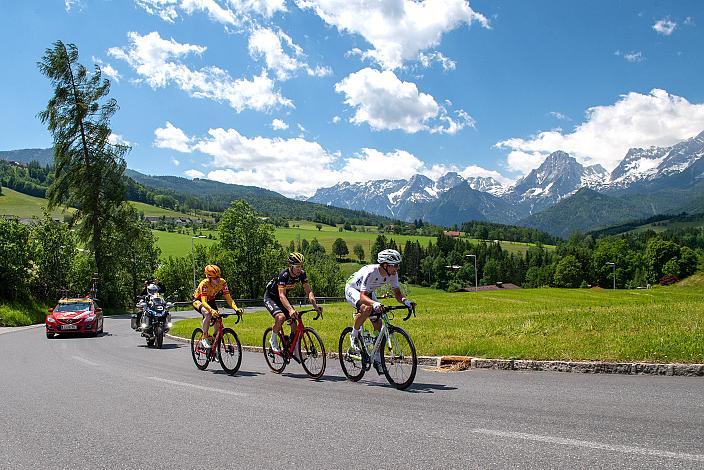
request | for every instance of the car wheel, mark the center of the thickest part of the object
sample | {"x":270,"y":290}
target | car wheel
{"x":50,"y":336}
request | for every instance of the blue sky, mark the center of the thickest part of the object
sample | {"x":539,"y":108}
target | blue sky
{"x":293,"y":95}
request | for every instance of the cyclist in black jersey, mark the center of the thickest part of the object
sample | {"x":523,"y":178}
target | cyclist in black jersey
{"x":275,"y":299}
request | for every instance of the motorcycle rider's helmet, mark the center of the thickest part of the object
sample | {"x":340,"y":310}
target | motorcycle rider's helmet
{"x":152,"y":289}
{"x":212,"y":271}
{"x":295,"y":258}
{"x":389,"y":256}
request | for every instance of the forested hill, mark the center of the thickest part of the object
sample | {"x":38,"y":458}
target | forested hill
{"x":182,"y":194}
{"x":216,"y":197}
{"x":43,"y":156}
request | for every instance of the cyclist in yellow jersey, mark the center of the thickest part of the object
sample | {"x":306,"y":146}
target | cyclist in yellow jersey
{"x":204,"y":299}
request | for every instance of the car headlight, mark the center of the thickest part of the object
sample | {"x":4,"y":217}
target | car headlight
{"x":89,"y":318}
{"x":50,"y":319}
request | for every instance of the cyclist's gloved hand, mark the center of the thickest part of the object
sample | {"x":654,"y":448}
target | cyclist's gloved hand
{"x":408,"y":303}
{"x":377,"y":306}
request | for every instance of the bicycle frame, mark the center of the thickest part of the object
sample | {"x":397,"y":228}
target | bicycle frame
{"x":290,"y":346}
{"x":217,"y":334}
{"x":383,"y":332}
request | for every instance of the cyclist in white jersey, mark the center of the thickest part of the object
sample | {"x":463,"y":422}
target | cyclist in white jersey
{"x":360,"y":288}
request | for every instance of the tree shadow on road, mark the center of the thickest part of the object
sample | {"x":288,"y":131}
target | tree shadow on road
{"x":164,"y":346}
{"x":415,"y":387}
{"x":240,"y":373}
{"x":324,"y":378}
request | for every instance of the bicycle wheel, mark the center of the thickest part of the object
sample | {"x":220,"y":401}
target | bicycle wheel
{"x":398,"y":360}
{"x":311,"y":351}
{"x":274,"y":360}
{"x":230,"y":351}
{"x":351,"y":362}
{"x":201,"y":356}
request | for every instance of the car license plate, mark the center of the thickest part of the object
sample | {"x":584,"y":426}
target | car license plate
{"x":69,"y":327}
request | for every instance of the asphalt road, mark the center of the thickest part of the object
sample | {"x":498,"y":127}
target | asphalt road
{"x":110,"y":402}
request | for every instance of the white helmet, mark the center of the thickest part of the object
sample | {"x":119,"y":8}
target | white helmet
{"x":152,"y":289}
{"x":388,"y":256}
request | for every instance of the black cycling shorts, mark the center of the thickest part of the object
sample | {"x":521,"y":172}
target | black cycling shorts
{"x":274,"y":306}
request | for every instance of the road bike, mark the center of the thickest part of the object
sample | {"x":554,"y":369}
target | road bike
{"x":397,"y":354}
{"x":226,"y":347}
{"x":304,"y":346}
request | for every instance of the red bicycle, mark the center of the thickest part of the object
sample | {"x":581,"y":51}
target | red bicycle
{"x":226,"y":347}
{"x":305,"y":347}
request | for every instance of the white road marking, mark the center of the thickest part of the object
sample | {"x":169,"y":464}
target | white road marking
{"x":199,"y":387}
{"x":85,"y":361}
{"x":591,"y":445}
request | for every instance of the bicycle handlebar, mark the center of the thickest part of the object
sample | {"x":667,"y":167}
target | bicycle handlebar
{"x":237,"y":313}
{"x":320,"y":313}
{"x":411,"y":310}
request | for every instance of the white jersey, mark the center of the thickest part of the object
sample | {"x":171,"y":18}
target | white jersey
{"x":369,"y":279}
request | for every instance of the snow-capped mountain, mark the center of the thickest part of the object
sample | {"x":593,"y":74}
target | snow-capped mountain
{"x":453,"y":199}
{"x":398,"y":198}
{"x":559,"y":176}
{"x":647,"y":167}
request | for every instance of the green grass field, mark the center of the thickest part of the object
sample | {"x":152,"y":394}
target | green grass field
{"x":176,"y":244}
{"x":25,"y":206}
{"x":664,"y":324}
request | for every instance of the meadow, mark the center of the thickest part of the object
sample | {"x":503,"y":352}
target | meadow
{"x":176,"y":244}
{"x":663,"y":324}
{"x":25,"y":206}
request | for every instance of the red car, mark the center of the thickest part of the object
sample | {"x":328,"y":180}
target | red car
{"x":80,"y":315}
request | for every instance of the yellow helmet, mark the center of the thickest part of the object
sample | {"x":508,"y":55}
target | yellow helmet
{"x":212,"y":271}
{"x":295,"y":258}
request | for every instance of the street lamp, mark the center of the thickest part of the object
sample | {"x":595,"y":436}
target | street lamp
{"x":476,"y":288}
{"x":613,"y":271}
{"x":193,"y":259}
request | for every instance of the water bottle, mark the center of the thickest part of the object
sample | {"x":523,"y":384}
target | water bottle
{"x":367,"y":338}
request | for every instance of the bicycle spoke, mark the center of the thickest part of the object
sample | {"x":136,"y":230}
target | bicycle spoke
{"x":399,"y":358}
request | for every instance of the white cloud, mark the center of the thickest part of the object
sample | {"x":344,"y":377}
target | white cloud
{"x":665,"y":26}
{"x":229,"y":13}
{"x":386,"y":103}
{"x":117,"y":139}
{"x":159,"y":62}
{"x":474,"y":170}
{"x":107,"y":69}
{"x":171,"y":137}
{"x":175,"y":162}
{"x":397,"y":30}
{"x":264,"y":42}
{"x":297,"y":166}
{"x":426,"y":60}
{"x":560,"y":116}
{"x":636,"y":120}
{"x":70,"y":4}
{"x":336,"y":119}
{"x":194,"y":173}
{"x":633,"y":56}
{"x":278,"y":125}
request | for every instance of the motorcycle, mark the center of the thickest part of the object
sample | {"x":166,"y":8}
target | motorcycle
{"x":155,"y":319}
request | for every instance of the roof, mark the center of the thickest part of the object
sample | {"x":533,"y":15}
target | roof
{"x":81,"y":299}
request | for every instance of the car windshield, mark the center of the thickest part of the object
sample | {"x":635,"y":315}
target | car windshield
{"x":72,"y":307}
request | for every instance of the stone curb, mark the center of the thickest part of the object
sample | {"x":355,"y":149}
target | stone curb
{"x":584,"y":367}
